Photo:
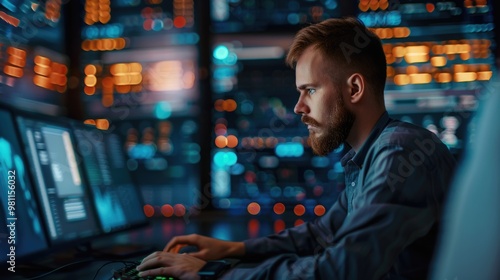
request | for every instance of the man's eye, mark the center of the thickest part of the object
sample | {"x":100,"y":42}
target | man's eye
{"x":311,"y":90}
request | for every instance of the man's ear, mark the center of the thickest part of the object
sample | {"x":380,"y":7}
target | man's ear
{"x":356,"y":87}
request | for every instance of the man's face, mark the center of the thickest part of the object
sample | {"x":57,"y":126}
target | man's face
{"x":321,"y":104}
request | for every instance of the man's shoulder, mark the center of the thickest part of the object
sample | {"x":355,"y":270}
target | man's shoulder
{"x":398,"y":131}
{"x":409,"y":137}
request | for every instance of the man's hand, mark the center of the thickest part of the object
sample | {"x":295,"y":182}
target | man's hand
{"x":181,"y":266}
{"x":208,"y":248}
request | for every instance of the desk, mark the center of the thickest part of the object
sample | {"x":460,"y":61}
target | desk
{"x":155,"y":236}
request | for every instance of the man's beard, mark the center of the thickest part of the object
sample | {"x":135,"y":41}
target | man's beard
{"x":335,"y":131}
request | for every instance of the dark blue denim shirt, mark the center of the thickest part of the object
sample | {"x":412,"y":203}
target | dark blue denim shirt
{"x":384,"y":224}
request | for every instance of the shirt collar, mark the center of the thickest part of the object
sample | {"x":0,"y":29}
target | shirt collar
{"x":359,"y":157}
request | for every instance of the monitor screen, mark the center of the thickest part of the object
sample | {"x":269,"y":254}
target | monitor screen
{"x":64,"y":198}
{"x":117,"y":200}
{"x":21,"y":231}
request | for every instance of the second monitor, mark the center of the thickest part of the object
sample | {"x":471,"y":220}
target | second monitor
{"x":64,"y":198}
{"x":81,"y":179}
{"x":117,"y":200}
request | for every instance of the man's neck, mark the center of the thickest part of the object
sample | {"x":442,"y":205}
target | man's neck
{"x":361,"y":129}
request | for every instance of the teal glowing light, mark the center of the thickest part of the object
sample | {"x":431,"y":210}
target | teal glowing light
{"x":108,"y":31}
{"x":231,"y":59}
{"x":289,"y":149}
{"x":221,"y":52}
{"x":157,"y":25}
{"x":113,"y":31}
{"x":331,"y":4}
{"x":225,"y":158}
{"x":90,"y":32}
{"x":392,"y":18}
{"x":6,"y":152}
{"x":142,"y":151}
{"x":293,"y":18}
{"x":163,"y":110}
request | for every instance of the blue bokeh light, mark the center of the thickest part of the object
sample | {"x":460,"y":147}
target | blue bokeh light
{"x":289,"y":149}
{"x":163,"y":110}
{"x":223,"y":158}
{"x":221,"y":52}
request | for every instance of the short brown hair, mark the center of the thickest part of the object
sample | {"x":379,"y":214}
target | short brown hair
{"x":349,"y":44}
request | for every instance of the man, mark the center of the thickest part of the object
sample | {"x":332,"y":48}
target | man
{"x":384,"y":224}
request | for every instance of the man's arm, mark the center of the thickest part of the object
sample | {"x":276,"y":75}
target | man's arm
{"x":387,"y":216}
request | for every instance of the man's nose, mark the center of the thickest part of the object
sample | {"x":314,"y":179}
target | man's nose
{"x":301,"y":107}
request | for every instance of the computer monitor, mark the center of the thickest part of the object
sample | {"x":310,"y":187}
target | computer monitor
{"x":21,"y":229}
{"x":65,"y":200}
{"x":117,"y":200}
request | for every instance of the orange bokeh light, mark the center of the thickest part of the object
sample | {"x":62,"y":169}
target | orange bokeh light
{"x":229,"y":105}
{"x":102,"y":124}
{"x":167,"y":210}
{"x":253,"y":208}
{"x":232,"y":141}
{"x":179,"y":22}
{"x":430,"y":7}
{"x":149,"y":210}
{"x":319,"y":210}
{"x":298,"y":222}
{"x":279,"y":225}
{"x":279,"y":208}
{"x":299,"y":210}
{"x":221,"y":141}
{"x":179,"y":210}
{"x":253,"y":228}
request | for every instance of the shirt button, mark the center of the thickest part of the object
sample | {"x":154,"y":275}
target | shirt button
{"x":353,"y":184}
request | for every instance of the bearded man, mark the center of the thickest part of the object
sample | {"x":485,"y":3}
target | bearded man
{"x":385,"y":223}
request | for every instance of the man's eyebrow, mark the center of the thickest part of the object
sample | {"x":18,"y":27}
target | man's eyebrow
{"x":304,"y":86}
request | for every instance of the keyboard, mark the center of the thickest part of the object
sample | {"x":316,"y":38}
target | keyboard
{"x":129,"y":272}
